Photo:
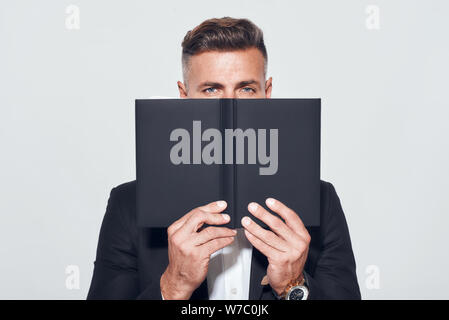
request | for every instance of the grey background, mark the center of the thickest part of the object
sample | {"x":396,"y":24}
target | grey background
{"x":67,"y":125}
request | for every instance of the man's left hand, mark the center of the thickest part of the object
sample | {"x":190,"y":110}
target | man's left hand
{"x":286,"y":246}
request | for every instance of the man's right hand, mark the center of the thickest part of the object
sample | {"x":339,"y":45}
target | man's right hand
{"x":189,"y":251}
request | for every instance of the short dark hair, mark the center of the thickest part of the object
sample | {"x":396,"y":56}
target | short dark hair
{"x":222,"y":34}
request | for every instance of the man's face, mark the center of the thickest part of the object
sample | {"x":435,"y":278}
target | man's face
{"x":227,"y":74}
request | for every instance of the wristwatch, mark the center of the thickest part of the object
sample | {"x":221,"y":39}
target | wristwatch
{"x":296,"y":289}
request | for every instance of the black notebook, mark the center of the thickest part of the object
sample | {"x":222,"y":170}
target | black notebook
{"x":190,"y":152}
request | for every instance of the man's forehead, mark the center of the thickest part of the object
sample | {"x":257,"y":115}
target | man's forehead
{"x":226,"y":66}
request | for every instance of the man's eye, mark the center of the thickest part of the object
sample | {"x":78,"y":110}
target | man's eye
{"x":248,"y":89}
{"x":210,"y":90}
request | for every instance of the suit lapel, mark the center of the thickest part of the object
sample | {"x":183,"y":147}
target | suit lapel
{"x":259,"y":265}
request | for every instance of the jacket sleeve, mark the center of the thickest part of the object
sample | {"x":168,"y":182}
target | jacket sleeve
{"x":334,"y":276}
{"x":115,"y":269}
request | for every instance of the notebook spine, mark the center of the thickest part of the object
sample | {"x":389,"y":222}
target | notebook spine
{"x":227,"y":118}
{"x":234,"y":167}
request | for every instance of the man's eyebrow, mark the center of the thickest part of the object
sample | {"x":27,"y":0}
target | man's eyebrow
{"x":210,"y":84}
{"x":247,"y":83}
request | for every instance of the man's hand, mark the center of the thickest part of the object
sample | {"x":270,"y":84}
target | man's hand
{"x":189,"y":250}
{"x":286,"y":246}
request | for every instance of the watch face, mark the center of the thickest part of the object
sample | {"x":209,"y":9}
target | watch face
{"x":298,"y":293}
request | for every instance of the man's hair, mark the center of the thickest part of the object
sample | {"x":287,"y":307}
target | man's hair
{"x":222,"y":34}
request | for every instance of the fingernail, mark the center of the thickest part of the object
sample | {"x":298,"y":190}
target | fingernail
{"x":234,"y":231}
{"x":226,"y":217}
{"x":252,"y":206}
{"x":270,"y":202}
{"x":221,"y":204}
{"x":246,"y":221}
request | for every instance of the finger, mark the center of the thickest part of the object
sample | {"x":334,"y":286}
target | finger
{"x":264,"y":235}
{"x":201,"y":217}
{"x":211,"y":233}
{"x":266,"y":250}
{"x":216,"y":244}
{"x":216,"y":206}
{"x":275,"y":224}
{"x":291,"y":218}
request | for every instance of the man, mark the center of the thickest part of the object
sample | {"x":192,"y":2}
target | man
{"x":224,"y":58}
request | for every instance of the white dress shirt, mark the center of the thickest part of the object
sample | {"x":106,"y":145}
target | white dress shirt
{"x":228,"y":275}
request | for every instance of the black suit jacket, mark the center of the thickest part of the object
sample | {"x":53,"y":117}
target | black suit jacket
{"x":130,"y":260}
